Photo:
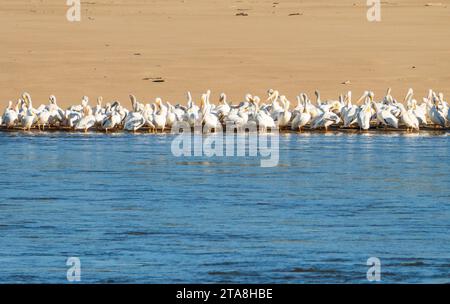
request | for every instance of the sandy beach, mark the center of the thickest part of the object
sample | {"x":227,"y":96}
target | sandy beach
{"x":123,"y":47}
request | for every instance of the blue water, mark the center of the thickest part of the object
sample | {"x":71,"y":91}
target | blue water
{"x":132,"y":212}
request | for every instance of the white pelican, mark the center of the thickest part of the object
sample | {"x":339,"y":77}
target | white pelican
{"x":192,"y":114}
{"x":112,"y":120}
{"x":42,"y":119}
{"x":237,"y":117}
{"x":263,"y":119}
{"x":171,"y":116}
{"x":365,"y":112}
{"x":80,"y":108}
{"x":350,"y":111}
{"x":224,"y":109}
{"x":325,"y":120}
{"x":56,"y":113}
{"x":99,"y":112}
{"x":420,"y":111}
{"x":71,"y":118}
{"x":134,"y":121}
{"x":385,"y":114}
{"x":300,"y":105}
{"x":160,"y":117}
{"x":28,"y":119}
{"x":435,"y":112}
{"x":180,"y":112}
{"x":10,"y":116}
{"x":210,"y":120}
{"x":87,"y":121}
{"x":149,"y":109}
{"x":275,"y":107}
{"x":409,"y":119}
{"x":301,"y":119}
{"x":284,"y":117}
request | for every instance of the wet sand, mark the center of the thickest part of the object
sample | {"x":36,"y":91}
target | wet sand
{"x":122,"y":47}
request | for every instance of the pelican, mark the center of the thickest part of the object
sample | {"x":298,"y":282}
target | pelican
{"x":171,"y":116}
{"x":29,"y":118}
{"x":409,"y":119}
{"x":99,"y":112}
{"x":435,"y":112}
{"x":224,"y":109}
{"x":71,"y":118}
{"x":301,"y":119}
{"x":325,"y":120}
{"x":87,"y":121}
{"x":80,"y":108}
{"x":385,"y":115}
{"x":365,"y":112}
{"x":160,"y":117}
{"x":284,"y":117}
{"x":418,"y":111}
{"x":11,"y":115}
{"x":350,"y":111}
{"x":42,"y":119}
{"x":134,"y":121}
{"x":237,"y":117}
{"x":300,"y":105}
{"x":56,"y":113}
{"x":112,"y":118}
{"x":275,"y":107}
{"x":263,"y":119}
{"x":210,"y":120}
{"x":192,"y":111}
{"x":149,"y":109}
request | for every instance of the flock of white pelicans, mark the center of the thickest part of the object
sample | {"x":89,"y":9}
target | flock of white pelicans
{"x":274,"y":112}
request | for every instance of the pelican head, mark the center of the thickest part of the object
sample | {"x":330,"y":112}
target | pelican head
{"x":52,"y":99}
{"x":248,"y":97}
{"x":223,"y":98}
{"x":364,"y":95}
{"x":256,"y":100}
{"x":133,"y":102}
{"x":84,"y":101}
{"x":274,"y":96}
{"x":158,"y":102}
{"x":26,"y":97}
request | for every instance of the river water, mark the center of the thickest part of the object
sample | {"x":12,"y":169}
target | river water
{"x":134,"y":213}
